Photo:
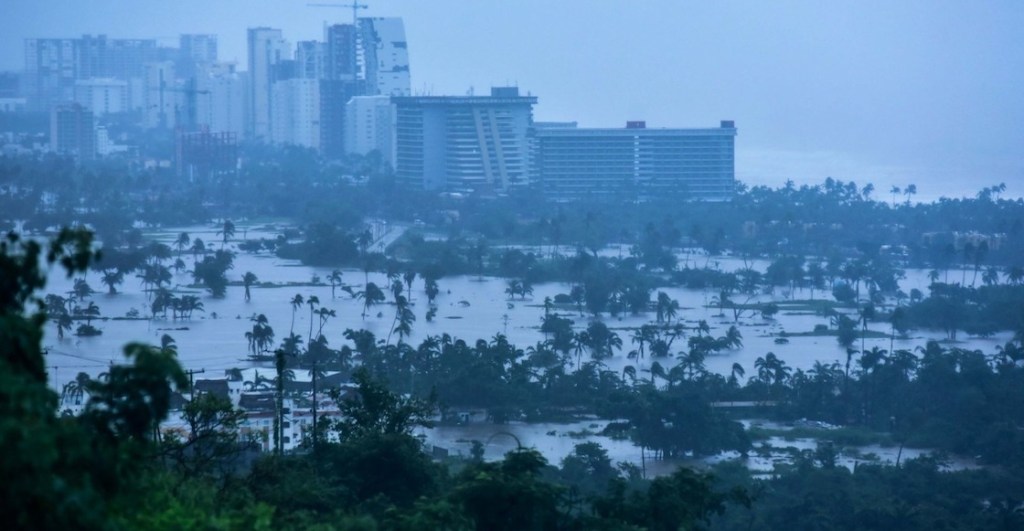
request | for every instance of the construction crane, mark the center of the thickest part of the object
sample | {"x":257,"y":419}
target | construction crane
{"x":191,"y":109}
{"x":356,"y":6}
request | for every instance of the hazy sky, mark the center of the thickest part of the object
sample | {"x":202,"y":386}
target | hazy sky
{"x":892,"y":92}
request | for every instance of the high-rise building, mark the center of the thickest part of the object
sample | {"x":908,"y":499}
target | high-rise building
{"x":341,"y":53}
{"x":99,"y":56}
{"x":310,"y":59}
{"x":49,"y":72}
{"x":103,"y":95}
{"x":370,"y":126}
{"x":334,"y":97}
{"x":72,"y":131}
{"x":221,"y":98}
{"x":267,"y":47}
{"x":296,"y":113}
{"x":636,"y":162}
{"x":195,"y":50}
{"x":464,"y":142}
{"x":385,"y":56}
{"x":53,"y":65}
{"x":162,"y":98}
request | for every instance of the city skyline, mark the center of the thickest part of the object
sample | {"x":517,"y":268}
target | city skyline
{"x":945,"y":118}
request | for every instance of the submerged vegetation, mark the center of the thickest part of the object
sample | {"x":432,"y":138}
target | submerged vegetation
{"x":831,"y":251}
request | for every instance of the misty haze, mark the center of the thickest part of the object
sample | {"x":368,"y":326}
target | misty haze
{"x":511,"y":265}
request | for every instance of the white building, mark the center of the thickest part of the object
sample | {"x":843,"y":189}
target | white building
{"x":267,"y":47}
{"x":295,"y":107}
{"x":105,"y":145}
{"x":103,"y":95}
{"x":385,"y":56}
{"x":370,"y":125}
{"x":221,"y":98}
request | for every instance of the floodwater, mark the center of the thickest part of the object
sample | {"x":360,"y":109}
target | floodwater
{"x":469,"y":308}
{"x":557,"y":440}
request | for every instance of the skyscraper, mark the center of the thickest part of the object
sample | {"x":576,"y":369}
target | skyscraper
{"x":464,"y":143}
{"x":267,"y":47}
{"x":310,"y":59}
{"x":385,"y":58}
{"x":49,"y":71}
{"x":194,"y":50}
{"x":221,"y":97}
{"x":296,"y":112}
{"x":341,"y":55}
{"x":162,"y":100}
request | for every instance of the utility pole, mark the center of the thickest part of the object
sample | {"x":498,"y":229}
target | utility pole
{"x":315,"y":433}
{"x":191,"y":384}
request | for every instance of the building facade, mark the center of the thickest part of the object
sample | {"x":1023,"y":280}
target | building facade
{"x":194,"y":51}
{"x":296,"y":112}
{"x":464,"y":143}
{"x":103,"y":95}
{"x":385,"y":56}
{"x":636,"y":162}
{"x":221,"y":98}
{"x":72,"y":131}
{"x":267,"y":47}
{"x":370,"y":126}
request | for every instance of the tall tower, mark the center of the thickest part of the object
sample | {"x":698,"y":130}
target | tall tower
{"x":385,"y":56}
{"x":267,"y":47}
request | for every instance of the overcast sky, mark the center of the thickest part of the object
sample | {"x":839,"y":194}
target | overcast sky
{"x":892,"y":92}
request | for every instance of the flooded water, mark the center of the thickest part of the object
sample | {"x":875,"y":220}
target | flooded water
{"x":469,"y":308}
{"x":557,"y":440}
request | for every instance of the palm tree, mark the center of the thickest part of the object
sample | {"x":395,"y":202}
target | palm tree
{"x":409,"y":276}
{"x":911,"y":189}
{"x":248,"y":280}
{"x":90,"y":312}
{"x":313,"y":301}
{"x":371,"y":295}
{"x":258,"y":382}
{"x":733,"y":339}
{"x":1014,"y":274}
{"x":182,"y":242}
{"x":335,"y":279}
{"x":666,"y":307}
{"x":580,"y":340}
{"x":991,"y":276}
{"x":81,"y":290}
{"x":895,"y":191}
{"x":189,"y":304}
{"x":198,"y":249}
{"x":324,"y":315}
{"x":64,"y":322}
{"x":866,"y":314}
{"x":736,"y":373}
{"x":629,"y":371}
{"x":111,"y":278}
{"x":227,"y":230}
{"x":75,"y":389}
{"x":296,"y":302}
{"x":405,"y":319}
{"x":262,"y":335}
